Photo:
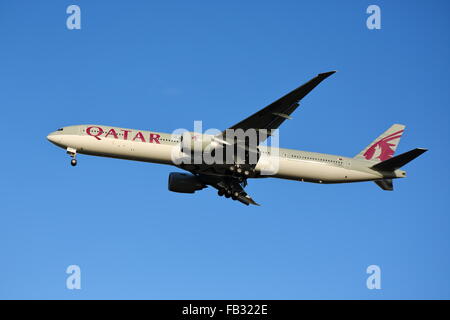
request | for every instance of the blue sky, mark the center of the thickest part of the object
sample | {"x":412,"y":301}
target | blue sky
{"x":159,"y":66}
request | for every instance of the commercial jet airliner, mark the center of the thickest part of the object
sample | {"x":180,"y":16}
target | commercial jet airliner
{"x":238,"y":157}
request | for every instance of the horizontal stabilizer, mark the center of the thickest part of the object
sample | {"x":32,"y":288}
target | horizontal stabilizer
{"x":399,"y":161}
{"x":385,"y":184}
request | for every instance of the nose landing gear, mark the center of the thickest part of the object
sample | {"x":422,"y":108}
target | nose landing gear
{"x":72,"y":153}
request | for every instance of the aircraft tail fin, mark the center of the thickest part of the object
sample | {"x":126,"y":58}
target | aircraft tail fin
{"x":383,"y":147}
{"x":399,"y":161}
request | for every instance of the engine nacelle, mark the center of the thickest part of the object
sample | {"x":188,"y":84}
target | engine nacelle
{"x":184,"y":182}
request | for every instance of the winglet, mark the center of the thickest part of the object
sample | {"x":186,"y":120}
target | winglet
{"x":327,"y":74}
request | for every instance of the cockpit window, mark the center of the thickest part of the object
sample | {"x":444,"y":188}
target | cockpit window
{"x":60,"y":129}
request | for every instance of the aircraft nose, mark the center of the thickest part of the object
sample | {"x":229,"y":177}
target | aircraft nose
{"x":52,"y":137}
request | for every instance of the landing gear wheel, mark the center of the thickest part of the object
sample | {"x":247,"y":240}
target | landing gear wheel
{"x":72,"y":152}
{"x":221,"y":192}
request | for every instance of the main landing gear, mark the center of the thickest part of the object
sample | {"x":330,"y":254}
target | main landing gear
{"x":240,"y":171}
{"x":72,"y":153}
{"x":230,"y":193}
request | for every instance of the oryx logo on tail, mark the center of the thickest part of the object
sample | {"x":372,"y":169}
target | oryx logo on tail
{"x":383,"y":147}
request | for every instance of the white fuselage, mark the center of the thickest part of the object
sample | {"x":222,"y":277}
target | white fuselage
{"x":160,"y":148}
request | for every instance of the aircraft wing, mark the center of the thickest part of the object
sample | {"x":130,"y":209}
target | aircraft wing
{"x":272,"y":116}
{"x":231,"y":179}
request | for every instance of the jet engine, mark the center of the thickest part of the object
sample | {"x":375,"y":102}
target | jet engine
{"x":184,"y":182}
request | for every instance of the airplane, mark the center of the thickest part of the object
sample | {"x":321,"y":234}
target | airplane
{"x":374,"y":163}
